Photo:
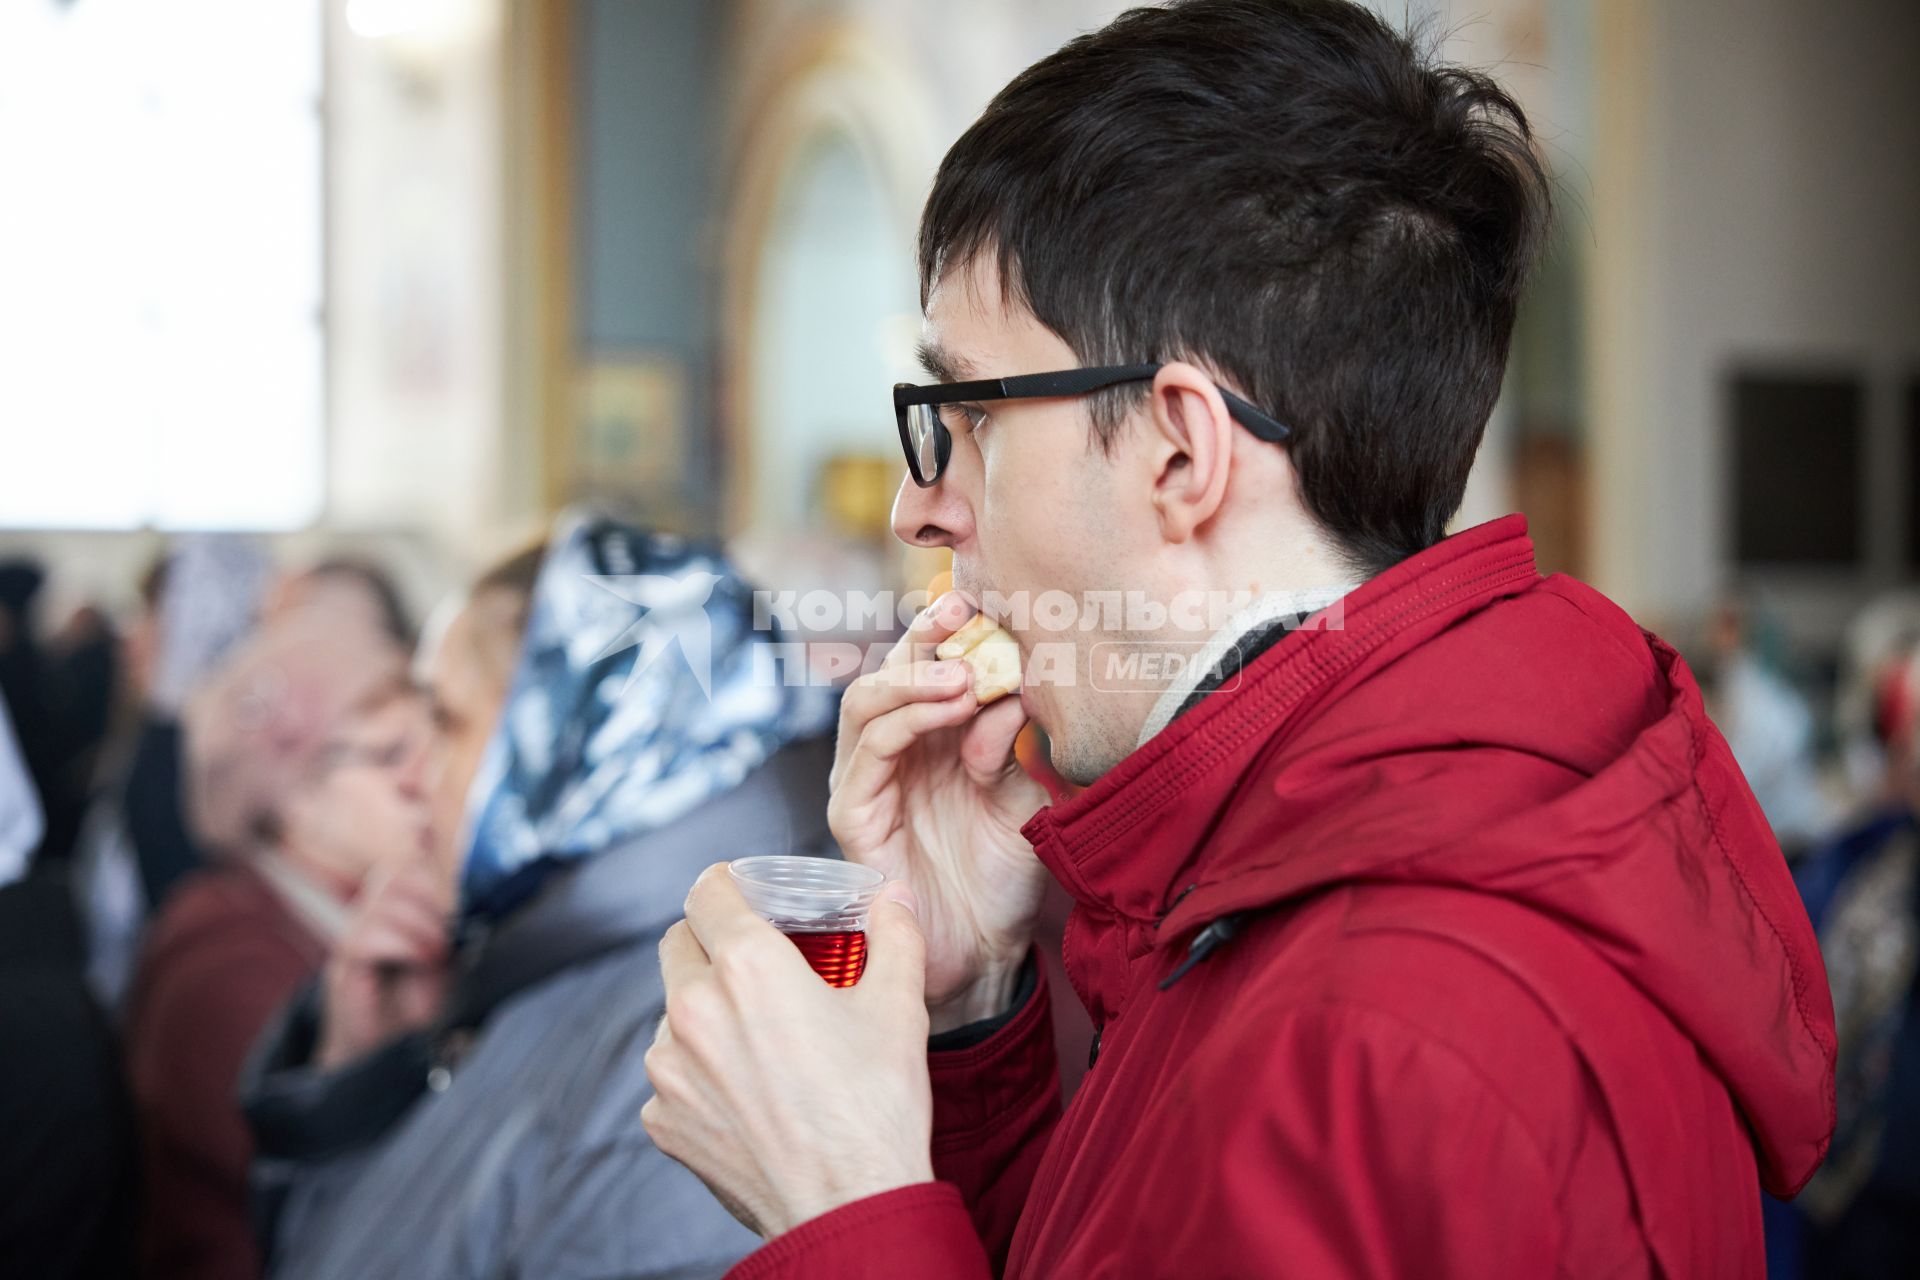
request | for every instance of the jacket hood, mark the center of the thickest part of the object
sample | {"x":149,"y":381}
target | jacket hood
{"x":1469,"y":725}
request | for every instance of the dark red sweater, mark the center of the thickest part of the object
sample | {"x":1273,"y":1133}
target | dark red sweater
{"x":221,"y":959}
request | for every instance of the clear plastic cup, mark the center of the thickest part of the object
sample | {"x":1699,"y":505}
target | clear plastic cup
{"x":820,"y":903}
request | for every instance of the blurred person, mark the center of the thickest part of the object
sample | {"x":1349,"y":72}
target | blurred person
{"x":197,"y":599}
{"x":22,"y":674}
{"x":1875,"y":638}
{"x":1767,"y":724}
{"x":209,"y":600}
{"x":464,"y":1101}
{"x":1426,"y":922}
{"x":305,"y":759}
{"x":346,"y":583}
{"x":106,"y":874}
{"x":67,"y":1157}
{"x":60,"y":687}
{"x":1862,"y":1210}
{"x":87,"y":651}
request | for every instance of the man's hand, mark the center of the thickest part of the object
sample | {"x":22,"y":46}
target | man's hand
{"x":926,"y":790}
{"x":788,"y":1097}
{"x":388,"y":973}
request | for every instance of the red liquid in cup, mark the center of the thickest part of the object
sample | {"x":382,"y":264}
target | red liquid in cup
{"x":840,"y":958}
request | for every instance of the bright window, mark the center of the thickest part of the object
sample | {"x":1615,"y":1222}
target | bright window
{"x":161,"y":336}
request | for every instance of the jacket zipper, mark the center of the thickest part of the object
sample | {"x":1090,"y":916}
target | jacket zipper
{"x":1205,"y":943}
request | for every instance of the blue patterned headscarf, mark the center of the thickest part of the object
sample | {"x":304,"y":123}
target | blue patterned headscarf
{"x":643,"y":690}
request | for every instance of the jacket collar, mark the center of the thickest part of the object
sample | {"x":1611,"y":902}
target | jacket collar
{"x":1134,"y":843}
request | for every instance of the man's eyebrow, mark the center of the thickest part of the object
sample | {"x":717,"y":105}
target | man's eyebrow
{"x":942,"y":365}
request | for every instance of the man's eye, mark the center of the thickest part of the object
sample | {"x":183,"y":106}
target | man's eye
{"x":964,"y":417}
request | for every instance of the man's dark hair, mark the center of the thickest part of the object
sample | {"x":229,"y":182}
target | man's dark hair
{"x":1289,"y":193}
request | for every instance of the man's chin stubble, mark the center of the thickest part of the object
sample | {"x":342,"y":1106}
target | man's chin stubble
{"x":1084,"y":756}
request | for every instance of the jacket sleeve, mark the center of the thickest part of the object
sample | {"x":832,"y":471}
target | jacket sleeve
{"x":995,"y":1105}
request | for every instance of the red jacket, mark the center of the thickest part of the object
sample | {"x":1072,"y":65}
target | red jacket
{"x":224,"y":955}
{"x":1519,"y":985}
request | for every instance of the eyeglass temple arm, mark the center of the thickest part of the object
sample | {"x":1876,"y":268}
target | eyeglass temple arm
{"x":1073,"y":382}
{"x":1263,"y":427}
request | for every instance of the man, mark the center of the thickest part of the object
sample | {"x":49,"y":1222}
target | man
{"x":459,"y":1095}
{"x":1438,"y":936}
{"x":305,"y":759}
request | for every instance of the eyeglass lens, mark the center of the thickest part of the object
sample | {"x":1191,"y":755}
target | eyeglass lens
{"x":923,"y":431}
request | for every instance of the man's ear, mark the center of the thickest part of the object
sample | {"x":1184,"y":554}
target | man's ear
{"x":1192,"y":449}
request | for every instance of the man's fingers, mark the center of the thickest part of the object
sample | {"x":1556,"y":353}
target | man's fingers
{"x":682,"y":958}
{"x":935,"y":623}
{"x":733,"y":937}
{"x":885,"y":691}
{"x":986,"y":748}
{"x":869,"y":766}
{"x":887,"y":736}
{"x":875,"y":694}
{"x":896,"y":948}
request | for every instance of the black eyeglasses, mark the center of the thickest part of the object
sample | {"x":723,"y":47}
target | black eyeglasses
{"x":928,"y":443}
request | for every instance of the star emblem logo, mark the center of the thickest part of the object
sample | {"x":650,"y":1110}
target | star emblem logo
{"x":671,"y":610}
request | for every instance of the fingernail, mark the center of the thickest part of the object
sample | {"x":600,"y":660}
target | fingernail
{"x":903,"y":895}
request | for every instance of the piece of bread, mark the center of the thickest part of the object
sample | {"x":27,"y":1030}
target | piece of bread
{"x":990,"y":653}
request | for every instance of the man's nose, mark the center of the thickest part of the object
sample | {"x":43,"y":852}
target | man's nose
{"x":930,"y":517}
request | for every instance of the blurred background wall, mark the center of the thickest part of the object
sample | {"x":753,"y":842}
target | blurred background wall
{"x":658,"y":253}
{"x":1757,"y":226}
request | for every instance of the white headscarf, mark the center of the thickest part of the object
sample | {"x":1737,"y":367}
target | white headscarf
{"x":21,"y":824}
{"x":212,"y":596}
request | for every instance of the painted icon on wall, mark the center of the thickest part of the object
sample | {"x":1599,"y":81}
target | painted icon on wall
{"x":630,"y":438}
